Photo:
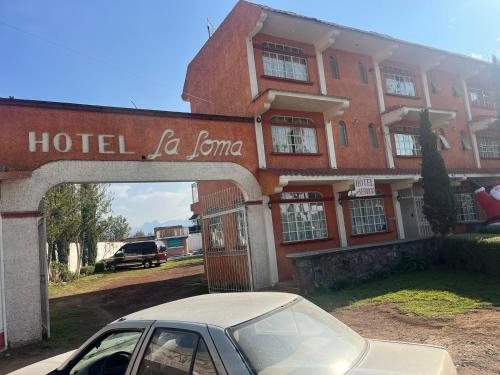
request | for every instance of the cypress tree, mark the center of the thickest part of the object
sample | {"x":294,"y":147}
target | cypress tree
{"x":439,"y":201}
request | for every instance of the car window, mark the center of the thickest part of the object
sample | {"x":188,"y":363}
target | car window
{"x":173,"y":353}
{"x":109,"y":354}
{"x":203,"y":364}
{"x":119,"y":253}
{"x":131,"y":250}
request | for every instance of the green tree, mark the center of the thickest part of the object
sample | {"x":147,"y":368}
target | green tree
{"x":116,"y":228}
{"x":95,"y":205}
{"x":439,"y":201}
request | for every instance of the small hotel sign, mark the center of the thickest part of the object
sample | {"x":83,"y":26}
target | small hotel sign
{"x":364,"y":187}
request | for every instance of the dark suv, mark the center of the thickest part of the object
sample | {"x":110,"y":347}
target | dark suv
{"x":147,"y":254}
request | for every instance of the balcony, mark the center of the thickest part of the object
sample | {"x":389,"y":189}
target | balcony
{"x":330,"y":106}
{"x":438,"y":117}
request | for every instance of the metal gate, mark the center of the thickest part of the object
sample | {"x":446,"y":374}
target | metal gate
{"x":417,"y":199}
{"x":225,"y":239}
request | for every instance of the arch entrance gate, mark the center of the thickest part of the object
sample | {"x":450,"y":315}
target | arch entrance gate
{"x":43,"y":144}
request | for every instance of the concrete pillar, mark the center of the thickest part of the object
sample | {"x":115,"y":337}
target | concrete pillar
{"x":340,"y":216}
{"x":332,"y":158}
{"x":3,"y":322}
{"x":399,"y":215}
{"x":264,"y":266}
{"x":22,"y":279}
{"x":271,"y":245}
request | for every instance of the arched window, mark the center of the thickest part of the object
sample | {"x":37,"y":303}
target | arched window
{"x":363,"y":76}
{"x":465,"y":141}
{"x":372,"y":132}
{"x":342,"y":134}
{"x":334,"y":66}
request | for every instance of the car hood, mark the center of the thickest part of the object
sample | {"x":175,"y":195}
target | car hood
{"x":43,"y":367}
{"x":390,"y":358}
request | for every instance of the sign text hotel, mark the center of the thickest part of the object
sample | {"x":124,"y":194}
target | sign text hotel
{"x":169,"y":144}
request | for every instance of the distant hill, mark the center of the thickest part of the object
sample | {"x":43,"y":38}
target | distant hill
{"x":149,"y":226}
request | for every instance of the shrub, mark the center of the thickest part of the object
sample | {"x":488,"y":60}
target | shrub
{"x":86,"y":270}
{"x":412,"y":263}
{"x":473,"y":252}
{"x":59,"y":273}
{"x":99,"y":267}
{"x":491,"y":229}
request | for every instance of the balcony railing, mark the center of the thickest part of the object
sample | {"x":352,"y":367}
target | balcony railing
{"x":482,"y":98}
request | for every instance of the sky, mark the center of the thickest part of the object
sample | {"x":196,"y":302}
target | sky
{"x":116,"y":52}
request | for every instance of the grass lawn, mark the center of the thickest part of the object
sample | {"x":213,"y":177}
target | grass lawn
{"x":97,"y":281}
{"x":428,"y":293}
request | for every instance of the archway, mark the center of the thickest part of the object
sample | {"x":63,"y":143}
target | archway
{"x":43,"y":144}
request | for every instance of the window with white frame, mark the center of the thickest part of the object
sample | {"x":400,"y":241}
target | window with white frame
{"x":292,"y":120}
{"x":466,"y":207}
{"x":400,"y":81}
{"x":367,"y":215}
{"x":241,"y":229}
{"x":282,"y":65}
{"x":481,"y":98}
{"x":302,"y":221}
{"x":216,"y":232}
{"x":407,"y":144}
{"x":194,"y":192}
{"x":294,"y":140}
{"x":489,"y":147}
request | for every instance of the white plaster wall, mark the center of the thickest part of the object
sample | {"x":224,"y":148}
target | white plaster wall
{"x":2,"y":294}
{"x":22,"y":280}
{"x":194,"y":242}
{"x":261,"y":270}
{"x":104,"y":250}
{"x":26,"y":194}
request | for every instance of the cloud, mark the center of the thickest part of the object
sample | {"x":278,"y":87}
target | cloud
{"x":478,"y":56}
{"x":119,"y":190}
{"x":143,"y":203}
{"x":498,"y":39}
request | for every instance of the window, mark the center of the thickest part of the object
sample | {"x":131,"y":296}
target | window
{"x":216,"y":233}
{"x":174,"y":242}
{"x":194,"y":192}
{"x":175,"y":352}
{"x":407,"y":144}
{"x":363,"y":76}
{"x":112,"y":352}
{"x":283,"y":48}
{"x":456,"y":89}
{"x":303,"y":221}
{"x":367,"y":215}
{"x":489,"y":148}
{"x":292,"y":120}
{"x":465,"y":141}
{"x":283,"y":65}
{"x":445,"y":145}
{"x":466,"y":207}
{"x":372,"y":132}
{"x":334,"y":67}
{"x":241,"y":229}
{"x":481,"y":98}
{"x":399,"y":81}
{"x":435,"y":86}
{"x":294,"y":140}
{"x":342,"y":134}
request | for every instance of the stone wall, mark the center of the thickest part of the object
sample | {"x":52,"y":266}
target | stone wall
{"x":338,"y":267}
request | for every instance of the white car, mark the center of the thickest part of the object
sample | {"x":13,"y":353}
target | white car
{"x":240,"y":333}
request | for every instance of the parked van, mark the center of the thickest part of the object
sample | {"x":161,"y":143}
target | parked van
{"x":146,"y":253}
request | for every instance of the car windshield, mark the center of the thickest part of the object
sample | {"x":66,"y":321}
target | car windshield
{"x":299,"y":339}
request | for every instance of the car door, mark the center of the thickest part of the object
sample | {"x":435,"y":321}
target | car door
{"x":133,"y":254}
{"x":174,"y":348}
{"x":114,"y":348}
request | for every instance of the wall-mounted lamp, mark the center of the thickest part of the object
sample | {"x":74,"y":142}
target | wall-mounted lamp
{"x":269,"y":205}
{"x":340,"y":199}
{"x":398,"y":197}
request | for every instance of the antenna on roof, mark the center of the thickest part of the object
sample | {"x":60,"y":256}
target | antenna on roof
{"x":131,"y":101}
{"x":210,"y":28}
